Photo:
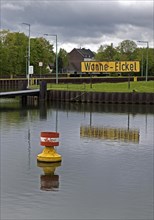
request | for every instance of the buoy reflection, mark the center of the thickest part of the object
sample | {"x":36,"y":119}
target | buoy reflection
{"x":49,"y":180}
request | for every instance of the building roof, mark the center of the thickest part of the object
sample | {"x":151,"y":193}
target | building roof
{"x":86,"y":53}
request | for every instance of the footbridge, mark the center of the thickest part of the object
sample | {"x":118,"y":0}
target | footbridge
{"x":12,"y":94}
{"x":40,"y":93}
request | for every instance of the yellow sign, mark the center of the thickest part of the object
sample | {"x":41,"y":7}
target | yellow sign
{"x":117,"y":66}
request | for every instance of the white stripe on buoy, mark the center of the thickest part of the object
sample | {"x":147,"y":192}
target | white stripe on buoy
{"x":44,"y":139}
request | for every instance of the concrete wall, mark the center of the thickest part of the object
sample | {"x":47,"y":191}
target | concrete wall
{"x":101,"y":97}
{"x":12,"y":84}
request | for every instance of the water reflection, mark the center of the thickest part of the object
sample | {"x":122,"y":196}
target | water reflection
{"x":127,"y":109}
{"x":43,"y":110}
{"x":49,"y":180}
{"x":30,"y":113}
{"x":121,"y":134}
{"x":124,"y":170}
{"x":107,"y":108}
{"x":29,"y":149}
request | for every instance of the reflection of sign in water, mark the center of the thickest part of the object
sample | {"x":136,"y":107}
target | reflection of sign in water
{"x":110,"y":133}
{"x":49,"y":180}
{"x":117,"y":66}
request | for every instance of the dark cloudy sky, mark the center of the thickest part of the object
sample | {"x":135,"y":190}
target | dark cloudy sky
{"x":81,"y":23}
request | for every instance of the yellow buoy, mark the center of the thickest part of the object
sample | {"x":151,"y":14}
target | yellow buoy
{"x":49,"y":154}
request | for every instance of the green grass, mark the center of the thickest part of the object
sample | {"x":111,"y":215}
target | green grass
{"x":106,"y":87}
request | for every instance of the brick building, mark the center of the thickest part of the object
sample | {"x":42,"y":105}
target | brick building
{"x":76,"y":56}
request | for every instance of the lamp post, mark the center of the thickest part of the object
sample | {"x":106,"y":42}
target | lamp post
{"x":55,"y":35}
{"x":28,"y":53}
{"x":140,"y":41}
{"x":142,"y":65}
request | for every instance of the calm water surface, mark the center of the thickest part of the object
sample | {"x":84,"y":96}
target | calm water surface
{"x":107,"y":162}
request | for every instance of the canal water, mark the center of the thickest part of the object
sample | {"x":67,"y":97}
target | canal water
{"x":107,"y":162}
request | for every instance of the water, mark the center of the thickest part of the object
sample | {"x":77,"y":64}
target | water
{"x":106,"y":172}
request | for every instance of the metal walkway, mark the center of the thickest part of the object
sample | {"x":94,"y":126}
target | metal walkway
{"x":19,"y":93}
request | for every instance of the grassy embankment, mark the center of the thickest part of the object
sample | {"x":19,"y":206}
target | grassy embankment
{"x":141,"y":86}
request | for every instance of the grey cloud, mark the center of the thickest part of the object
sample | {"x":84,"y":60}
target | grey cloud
{"x":79,"y":20}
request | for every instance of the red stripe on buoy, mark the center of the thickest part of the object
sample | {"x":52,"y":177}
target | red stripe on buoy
{"x":49,"y":139}
{"x":49,"y":144}
{"x":50,"y":134}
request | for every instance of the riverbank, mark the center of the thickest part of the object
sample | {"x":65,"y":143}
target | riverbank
{"x":115,"y":93}
{"x":100,"y":97}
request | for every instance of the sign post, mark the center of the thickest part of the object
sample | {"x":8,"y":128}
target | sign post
{"x":111,"y":67}
{"x":31,"y":71}
{"x":40,"y":65}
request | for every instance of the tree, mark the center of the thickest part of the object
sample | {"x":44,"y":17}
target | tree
{"x":14,"y":53}
{"x":110,"y":53}
{"x":127,"y":49}
{"x":41,"y":51}
{"x":62,"y":61}
{"x":13,"y":46}
{"x":106,"y":53}
{"x":151,"y":62}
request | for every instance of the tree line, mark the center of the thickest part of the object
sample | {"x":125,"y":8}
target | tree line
{"x":14,"y":55}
